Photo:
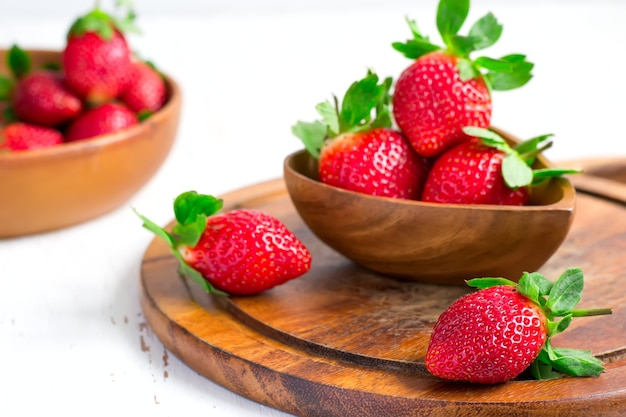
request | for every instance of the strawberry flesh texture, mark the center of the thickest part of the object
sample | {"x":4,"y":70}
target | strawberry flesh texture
{"x":147,"y":90}
{"x":489,"y":336}
{"x":431,"y":104}
{"x":471,"y":173}
{"x":245,"y":251}
{"x":104,"y":119}
{"x":42,"y":98}
{"x":25,"y":136}
{"x":377,"y":162}
{"x":96,"y":69}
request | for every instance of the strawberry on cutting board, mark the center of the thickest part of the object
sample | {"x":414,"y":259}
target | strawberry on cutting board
{"x":97,"y":58}
{"x":356,"y":147}
{"x":444,"y":89}
{"x":238,"y":252}
{"x":496,"y":333}
{"x":485,"y":169}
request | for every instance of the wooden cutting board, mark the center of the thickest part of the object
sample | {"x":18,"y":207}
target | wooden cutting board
{"x":341,"y":341}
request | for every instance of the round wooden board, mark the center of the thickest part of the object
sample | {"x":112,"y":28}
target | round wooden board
{"x":342,"y":341}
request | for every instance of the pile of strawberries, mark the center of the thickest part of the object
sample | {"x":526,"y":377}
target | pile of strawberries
{"x":100,"y":87}
{"x":441,"y":148}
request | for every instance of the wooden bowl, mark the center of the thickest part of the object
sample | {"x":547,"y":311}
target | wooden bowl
{"x":430,"y":242}
{"x":53,"y":188}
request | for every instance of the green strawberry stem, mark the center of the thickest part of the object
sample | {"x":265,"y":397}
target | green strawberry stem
{"x":591,"y":312}
{"x":365,"y":106}
{"x":103,"y":23}
{"x":191,"y":211}
{"x":504,"y":73}
{"x":556,"y":299}
{"x":516,"y":165}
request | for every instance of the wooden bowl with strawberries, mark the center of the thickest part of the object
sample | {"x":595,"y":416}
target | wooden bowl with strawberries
{"x":433,"y":242}
{"x":75,"y":181}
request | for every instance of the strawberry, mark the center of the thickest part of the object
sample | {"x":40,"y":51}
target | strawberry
{"x":485,"y":169}
{"x":38,"y":96}
{"x":239,"y":252}
{"x":42,"y":98}
{"x":360,"y":152}
{"x":444,"y":90}
{"x":106,"y":118}
{"x":147,"y":92}
{"x":97,"y":58}
{"x":23,"y":136}
{"x":494,"y":334}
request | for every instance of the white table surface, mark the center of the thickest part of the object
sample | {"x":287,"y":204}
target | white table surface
{"x":73,"y":339}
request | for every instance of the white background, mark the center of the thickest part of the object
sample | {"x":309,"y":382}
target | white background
{"x":71,"y":329}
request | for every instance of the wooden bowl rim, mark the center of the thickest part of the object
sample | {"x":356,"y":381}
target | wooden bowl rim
{"x":567,"y":201}
{"x":89,"y":145}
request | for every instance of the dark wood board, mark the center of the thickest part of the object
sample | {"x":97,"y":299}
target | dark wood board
{"x":342,"y":341}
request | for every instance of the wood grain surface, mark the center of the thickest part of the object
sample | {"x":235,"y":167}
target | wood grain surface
{"x":342,"y":341}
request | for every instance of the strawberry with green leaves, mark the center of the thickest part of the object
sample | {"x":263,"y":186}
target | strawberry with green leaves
{"x":485,"y":169}
{"x":97,"y":58}
{"x":238,"y":252}
{"x":505,"y":328}
{"x":37,"y":95}
{"x":15,"y":137}
{"x":444,"y":89}
{"x":103,"y":119}
{"x":356,"y":147}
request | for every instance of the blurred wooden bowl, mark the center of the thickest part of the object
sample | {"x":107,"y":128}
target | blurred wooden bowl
{"x":53,"y":188}
{"x":429,"y":242}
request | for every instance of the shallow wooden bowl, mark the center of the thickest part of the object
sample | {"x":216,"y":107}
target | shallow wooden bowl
{"x":429,"y":242}
{"x":53,"y":188}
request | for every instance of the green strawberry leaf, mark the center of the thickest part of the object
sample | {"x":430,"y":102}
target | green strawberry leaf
{"x":516,"y":172}
{"x":189,"y":205}
{"x":156,"y":229}
{"x":561,"y":325}
{"x":462,"y":46}
{"x":517,"y":76}
{"x":414,"y":48}
{"x":19,"y":61}
{"x":487,"y":30}
{"x":451,"y":15}
{"x":576,"y":362}
{"x":489,"y":138}
{"x":491,"y":64}
{"x":529,"y":286}
{"x":358,"y":102}
{"x":531,"y":145}
{"x":6,"y":87}
{"x":544,"y":173}
{"x":566,"y":292}
{"x":312,"y":136}
{"x":488,"y":282}
{"x":9,"y":116}
{"x":542,"y":371}
{"x":330,"y":117}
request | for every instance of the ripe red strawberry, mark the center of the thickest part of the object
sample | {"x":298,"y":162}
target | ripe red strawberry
{"x":444,"y":90}
{"x":97,"y":58}
{"x":42,"y":98}
{"x":486,"y":170}
{"x":239,"y":252}
{"x":106,"y":118}
{"x":361,"y":153}
{"x":147,"y":92}
{"x":23,"y":136}
{"x":496,"y":333}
